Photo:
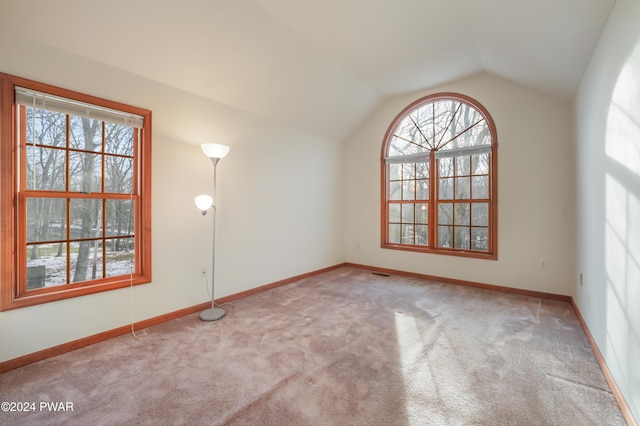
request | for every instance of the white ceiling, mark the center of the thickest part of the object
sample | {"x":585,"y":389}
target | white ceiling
{"x":322,"y":65}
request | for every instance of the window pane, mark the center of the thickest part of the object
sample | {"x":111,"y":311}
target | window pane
{"x":422,"y":235}
{"x":445,"y":214}
{"x":445,"y":167}
{"x":399,"y":146}
{"x":476,"y":136}
{"x":120,"y":257}
{"x":482,"y":133}
{"x":119,"y":218}
{"x":461,"y":237}
{"x":85,"y":172}
{"x":461,"y":214}
{"x":46,"y":127}
{"x":45,"y":169}
{"x":408,"y":171}
{"x":443,"y":114}
{"x":481,"y":187}
{"x":479,"y":239}
{"x":118,"y":174}
{"x":422,"y":189}
{"x":445,"y":236}
{"x":86,"y":218}
{"x":422,"y":213}
{"x":46,"y":265}
{"x":46,"y":219}
{"x":480,"y":164}
{"x":407,"y":234}
{"x":463,"y":166}
{"x":422,"y":170}
{"x":394,"y":212}
{"x":466,"y":117}
{"x":85,"y":134}
{"x":422,"y":118}
{"x":395,"y":190}
{"x":395,"y":171}
{"x":463,"y":188}
{"x":118,"y":139}
{"x":445,"y":191}
{"x":407,"y":138}
{"x":394,"y":233}
{"x":86,"y":261}
{"x":480,"y":214}
{"x":407,"y":213}
{"x":409,"y":190}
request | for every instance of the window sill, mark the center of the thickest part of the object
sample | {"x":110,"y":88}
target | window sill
{"x":446,"y":252}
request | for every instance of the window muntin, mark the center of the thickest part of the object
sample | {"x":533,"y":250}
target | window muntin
{"x":439,"y":178}
{"x":81,"y":192}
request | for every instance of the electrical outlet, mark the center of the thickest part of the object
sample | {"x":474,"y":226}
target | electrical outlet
{"x":203,"y":272}
{"x":543,"y":264}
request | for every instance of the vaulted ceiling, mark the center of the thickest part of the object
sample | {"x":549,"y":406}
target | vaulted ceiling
{"x":322,"y":65}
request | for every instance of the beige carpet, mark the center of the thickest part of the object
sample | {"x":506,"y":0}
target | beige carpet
{"x":347,"y":347}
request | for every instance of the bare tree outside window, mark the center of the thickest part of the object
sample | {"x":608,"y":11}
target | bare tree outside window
{"x":77,"y":237}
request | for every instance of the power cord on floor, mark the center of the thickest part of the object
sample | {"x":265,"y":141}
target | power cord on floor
{"x":131,"y":307}
{"x":133,"y":331}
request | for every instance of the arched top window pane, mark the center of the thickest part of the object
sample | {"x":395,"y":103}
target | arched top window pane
{"x":440,"y":124}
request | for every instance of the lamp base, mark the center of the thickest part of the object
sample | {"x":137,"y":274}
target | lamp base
{"x":212,"y":314}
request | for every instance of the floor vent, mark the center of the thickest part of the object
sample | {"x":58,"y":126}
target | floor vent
{"x":380,"y":274}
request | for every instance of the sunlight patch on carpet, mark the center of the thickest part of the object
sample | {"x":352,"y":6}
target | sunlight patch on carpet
{"x":433,"y":391}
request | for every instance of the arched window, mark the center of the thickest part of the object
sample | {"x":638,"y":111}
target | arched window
{"x":439,"y":178}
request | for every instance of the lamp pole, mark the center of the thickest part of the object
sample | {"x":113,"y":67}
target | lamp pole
{"x":215,"y":152}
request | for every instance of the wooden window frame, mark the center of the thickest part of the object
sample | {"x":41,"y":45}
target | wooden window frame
{"x":433,"y":201}
{"x":13,"y":292}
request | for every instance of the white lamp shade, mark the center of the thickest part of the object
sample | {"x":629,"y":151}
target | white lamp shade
{"x":204,"y":202}
{"x":214,"y":150}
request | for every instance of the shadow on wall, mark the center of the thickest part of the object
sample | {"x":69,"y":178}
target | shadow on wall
{"x":622,"y":230}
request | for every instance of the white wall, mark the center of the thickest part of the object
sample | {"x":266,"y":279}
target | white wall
{"x":535,"y":201}
{"x":607,"y":122}
{"x":280,"y":202}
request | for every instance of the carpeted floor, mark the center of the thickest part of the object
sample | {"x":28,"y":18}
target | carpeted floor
{"x":347,"y":347}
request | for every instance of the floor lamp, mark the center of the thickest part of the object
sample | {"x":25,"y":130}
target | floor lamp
{"x":204,"y":203}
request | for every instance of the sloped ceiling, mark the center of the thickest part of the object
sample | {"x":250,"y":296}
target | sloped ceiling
{"x":321,"y":65}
